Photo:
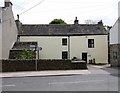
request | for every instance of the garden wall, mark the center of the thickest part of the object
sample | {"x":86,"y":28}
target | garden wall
{"x":115,"y":55}
{"x":30,"y":65}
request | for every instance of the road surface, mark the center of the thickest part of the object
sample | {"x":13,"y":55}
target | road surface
{"x":99,"y":79}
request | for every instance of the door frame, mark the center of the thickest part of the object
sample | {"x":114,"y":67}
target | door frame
{"x":85,"y":55}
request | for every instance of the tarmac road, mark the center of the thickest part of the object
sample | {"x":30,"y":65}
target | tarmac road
{"x":99,"y":79}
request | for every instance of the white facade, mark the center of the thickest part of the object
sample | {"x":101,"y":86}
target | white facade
{"x":115,"y":33}
{"x":9,"y":31}
{"x":118,"y":9}
{"x":79,"y":45}
{"x":0,"y":32}
{"x":115,"y":30}
{"x":1,"y":3}
{"x":52,"y":47}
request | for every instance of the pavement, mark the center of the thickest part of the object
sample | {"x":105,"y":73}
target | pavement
{"x":49,"y":73}
{"x":44,"y":73}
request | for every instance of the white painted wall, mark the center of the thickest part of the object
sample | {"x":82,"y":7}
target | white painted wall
{"x":0,"y":47}
{"x":99,"y":52}
{"x":1,"y":3}
{"x":114,"y":34}
{"x":119,"y":31}
{"x":0,"y":33}
{"x":118,"y":9}
{"x":115,"y":31}
{"x":119,"y":22}
{"x":52,"y":46}
{"x":9,"y":31}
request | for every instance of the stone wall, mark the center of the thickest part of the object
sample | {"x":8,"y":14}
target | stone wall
{"x":17,"y":65}
{"x":13,"y":65}
{"x":115,"y":55}
{"x":14,"y":54}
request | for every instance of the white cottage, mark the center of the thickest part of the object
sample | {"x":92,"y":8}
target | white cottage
{"x":58,"y":41}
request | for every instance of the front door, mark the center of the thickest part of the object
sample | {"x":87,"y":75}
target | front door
{"x":84,"y":57}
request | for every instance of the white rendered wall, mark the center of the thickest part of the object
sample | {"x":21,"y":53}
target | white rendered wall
{"x":52,"y":46}
{"x":114,"y":34}
{"x":0,"y":33}
{"x":79,"y":45}
{"x":9,"y":31}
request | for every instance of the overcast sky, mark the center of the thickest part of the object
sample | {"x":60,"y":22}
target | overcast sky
{"x":47,"y":10}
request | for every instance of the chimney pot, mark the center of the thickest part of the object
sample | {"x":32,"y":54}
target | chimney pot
{"x":100,"y":23}
{"x":76,"y":21}
{"x":17,"y":17}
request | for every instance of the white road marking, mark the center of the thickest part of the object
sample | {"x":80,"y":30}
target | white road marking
{"x":76,"y":82}
{"x":8,"y":85}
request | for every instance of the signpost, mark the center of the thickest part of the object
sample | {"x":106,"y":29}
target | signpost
{"x":35,"y":48}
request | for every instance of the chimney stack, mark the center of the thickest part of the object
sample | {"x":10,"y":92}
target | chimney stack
{"x":76,"y":21}
{"x":100,"y":23}
{"x":8,"y":3}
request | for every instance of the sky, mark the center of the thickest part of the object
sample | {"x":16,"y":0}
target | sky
{"x":47,"y":10}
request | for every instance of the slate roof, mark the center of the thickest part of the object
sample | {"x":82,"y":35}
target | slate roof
{"x":60,"y":29}
{"x":23,"y":45}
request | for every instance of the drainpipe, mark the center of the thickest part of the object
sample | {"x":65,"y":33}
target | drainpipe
{"x":69,"y":47}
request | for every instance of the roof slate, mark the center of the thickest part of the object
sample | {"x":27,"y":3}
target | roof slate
{"x":60,"y":29}
{"x":23,"y":45}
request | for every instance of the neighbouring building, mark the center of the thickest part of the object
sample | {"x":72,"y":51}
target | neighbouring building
{"x":115,"y":44}
{"x":88,"y":42}
{"x":0,"y":33}
{"x":8,"y":30}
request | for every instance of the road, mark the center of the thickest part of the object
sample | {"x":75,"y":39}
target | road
{"x":100,"y":79}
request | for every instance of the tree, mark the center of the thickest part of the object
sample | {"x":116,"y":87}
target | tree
{"x":57,"y":21}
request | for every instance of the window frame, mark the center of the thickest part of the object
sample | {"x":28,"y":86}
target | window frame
{"x":91,"y":43}
{"x":64,"y":55}
{"x":64,"y":41}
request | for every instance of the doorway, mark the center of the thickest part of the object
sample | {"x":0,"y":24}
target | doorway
{"x":84,"y":57}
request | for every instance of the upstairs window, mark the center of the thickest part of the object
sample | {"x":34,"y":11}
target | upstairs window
{"x":64,"y":41}
{"x":90,"y":43}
